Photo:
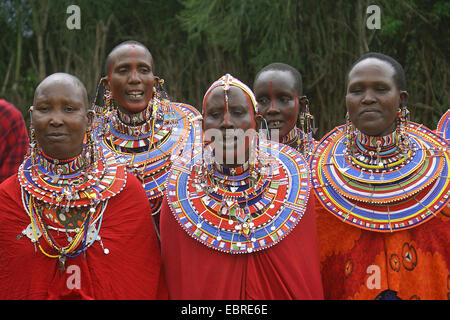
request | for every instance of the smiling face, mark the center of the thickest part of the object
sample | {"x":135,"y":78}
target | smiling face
{"x":131,"y":78}
{"x":60,"y":117}
{"x":232,"y":120}
{"x":373,"y":97}
{"x":278,"y":100}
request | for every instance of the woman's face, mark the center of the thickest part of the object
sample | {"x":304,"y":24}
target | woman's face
{"x":131,"y":78}
{"x":60,"y":118}
{"x":232,"y":120}
{"x":278,"y":100}
{"x":373,"y":97}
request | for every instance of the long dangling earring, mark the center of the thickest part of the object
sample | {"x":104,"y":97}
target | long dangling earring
{"x":97,"y":108}
{"x":33,"y":143}
{"x":305,"y":138}
{"x":108,"y":103}
{"x":350,"y":134}
{"x":402,"y":123}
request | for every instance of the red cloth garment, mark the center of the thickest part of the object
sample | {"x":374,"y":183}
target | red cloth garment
{"x":287,"y":270}
{"x":13,"y":139}
{"x":131,"y":270}
{"x":362,"y":264}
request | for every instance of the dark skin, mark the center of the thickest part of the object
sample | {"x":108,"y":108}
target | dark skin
{"x":278,"y":100}
{"x":60,"y":116}
{"x":237,"y":114}
{"x":131,"y":79}
{"x":373,"y":97}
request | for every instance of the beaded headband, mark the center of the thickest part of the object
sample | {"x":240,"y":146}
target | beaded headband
{"x":226,"y":82}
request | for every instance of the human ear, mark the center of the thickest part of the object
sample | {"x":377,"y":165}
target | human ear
{"x":105,"y":83}
{"x":403,"y":97}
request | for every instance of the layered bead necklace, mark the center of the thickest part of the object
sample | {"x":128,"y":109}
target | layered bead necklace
{"x":383,"y":184}
{"x":148,"y":141}
{"x":68,"y":196}
{"x":300,"y":141}
{"x":243,"y":209}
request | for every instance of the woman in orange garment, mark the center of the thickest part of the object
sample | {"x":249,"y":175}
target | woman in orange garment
{"x":73,"y":223}
{"x":382,"y":185}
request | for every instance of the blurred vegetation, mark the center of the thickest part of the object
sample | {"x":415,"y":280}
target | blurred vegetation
{"x":194,"y":42}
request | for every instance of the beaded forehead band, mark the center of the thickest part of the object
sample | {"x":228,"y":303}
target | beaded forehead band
{"x":226,"y":82}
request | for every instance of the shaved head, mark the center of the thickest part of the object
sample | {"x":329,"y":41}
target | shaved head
{"x":63,"y":78}
{"x":110,"y":56}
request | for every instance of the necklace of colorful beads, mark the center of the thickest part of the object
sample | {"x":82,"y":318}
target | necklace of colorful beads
{"x":67,"y":196}
{"x":148,"y":151}
{"x":443,"y":127}
{"x":237,"y":216}
{"x":296,"y":139}
{"x":377,"y":186}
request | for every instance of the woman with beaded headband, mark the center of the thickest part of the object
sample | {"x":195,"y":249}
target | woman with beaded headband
{"x":382,"y":184}
{"x":278,"y":89}
{"x":73,"y":222}
{"x":139,"y":124}
{"x":236,"y":222}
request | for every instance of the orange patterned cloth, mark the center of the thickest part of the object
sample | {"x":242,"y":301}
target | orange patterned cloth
{"x":361,"y":264}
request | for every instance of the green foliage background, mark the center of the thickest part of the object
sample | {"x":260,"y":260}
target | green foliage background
{"x":194,"y":42}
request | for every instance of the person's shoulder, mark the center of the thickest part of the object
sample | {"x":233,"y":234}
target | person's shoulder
{"x":9,"y":190}
{"x":8,"y":110}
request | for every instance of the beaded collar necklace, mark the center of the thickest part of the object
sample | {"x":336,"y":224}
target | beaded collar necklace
{"x":68,"y":196}
{"x":443,"y":127}
{"x":241,"y":213}
{"x":148,"y":147}
{"x":373,"y":183}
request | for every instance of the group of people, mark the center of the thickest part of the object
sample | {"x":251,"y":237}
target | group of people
{"x":136,"y":196}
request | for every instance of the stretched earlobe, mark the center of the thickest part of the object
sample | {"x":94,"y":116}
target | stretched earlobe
{"x":303,"y":102}
{"x":403,"y":98}
{"x":258,"y":120}
{"x":105,"y":83}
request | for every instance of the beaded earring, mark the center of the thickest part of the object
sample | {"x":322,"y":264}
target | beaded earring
{"x":98,"y":109}
{"x":108,"y":103}
{"x":161,"y":107}
{"x":402,"y":123}
{"x":351,"y":136}
{"x":306,"y":120}
{"x":33,"y":143}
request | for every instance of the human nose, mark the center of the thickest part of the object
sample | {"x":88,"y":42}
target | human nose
{"x":273,"y":108}
{"x":368,"y":97}
{"x":134,"y":76}
{"x":56,"y":118}
{"x":227,"y":122}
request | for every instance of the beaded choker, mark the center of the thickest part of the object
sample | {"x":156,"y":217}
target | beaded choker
{"x":70,"y":197}
{"x":297,"y":139}
{"x":135,"y":119}
{"x":58,"y":167}
{"x":376,"y":185}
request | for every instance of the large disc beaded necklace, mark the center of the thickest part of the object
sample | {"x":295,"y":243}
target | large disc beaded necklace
{"x":377,"y":184}
{"x":244,"y":209}
{"x":148,"y":141}
{"x":69,"y":197}
{"x":443,"y":127}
